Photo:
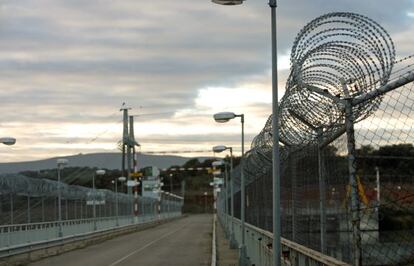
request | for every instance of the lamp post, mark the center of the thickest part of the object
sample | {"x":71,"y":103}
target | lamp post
{"x":218,"y":149}
{"x":60,"y":164}
{"x":224,"y":117}
{"x":167,"y":200}
{"x":171,"y":184}
{"x":9,"y":141}
{"x":205,"y":202}
{"x":122,"y":178}
{"x":275,"y":132}
{"x":96,"y":173}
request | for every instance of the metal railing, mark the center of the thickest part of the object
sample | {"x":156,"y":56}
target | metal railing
{"x":18,"y":236}
{"x":259,"y":247}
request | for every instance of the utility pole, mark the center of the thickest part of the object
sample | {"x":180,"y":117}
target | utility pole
{"x":133,"y":143}
{"x":124,"y":136}
{"x":128,"y":146}
{"x":131,"y":146}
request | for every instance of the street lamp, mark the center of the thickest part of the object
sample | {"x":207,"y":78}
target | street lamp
{"x":275,"y":133}
{"x":222,"y":118}
{"x":60,"y":164}
{"x":217,"y":163}
{"x":96,"y":173}
{"x":8,"y":141}
{"x":218,"y":149}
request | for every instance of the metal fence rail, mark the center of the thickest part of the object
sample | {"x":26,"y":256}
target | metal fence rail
{"x":259,"y":247}
{"x":20,"y":235}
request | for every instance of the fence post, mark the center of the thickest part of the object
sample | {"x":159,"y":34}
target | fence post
{"x":55,"y":209}
{"x":81,"y":209}
{"x":355,"y":204}
{"x":293,"y":172}
{"x":11,"y":209}
{"x":226,"y":182}
{"x":66,"y":209}
{"x":233,"y":242}
{"x":28,"y":210}
{"x":75,"y":209}
{"x":1,"y":209}
{"x":322,"y":190}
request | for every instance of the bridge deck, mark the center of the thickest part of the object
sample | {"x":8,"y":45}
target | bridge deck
{"x":184,"y":241}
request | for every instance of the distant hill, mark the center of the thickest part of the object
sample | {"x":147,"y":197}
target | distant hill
{"x":100,"y":160}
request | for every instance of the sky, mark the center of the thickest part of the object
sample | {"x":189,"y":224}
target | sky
{"x":66,"y":67}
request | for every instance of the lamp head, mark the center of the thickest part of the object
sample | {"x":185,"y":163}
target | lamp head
{"x":219,"y":148}
{"x":228,"y":2}
{"x":224,"y":117}
{"x":100,"y":172}
{"x":61,"y":162}
{"x":217,"y":163}
{"x":8,"y":141}
{"x":122,"y":178}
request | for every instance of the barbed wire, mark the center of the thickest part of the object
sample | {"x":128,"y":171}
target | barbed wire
{"x":336,"y":57}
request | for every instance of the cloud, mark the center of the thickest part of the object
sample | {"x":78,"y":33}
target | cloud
{"x":69,"y":64}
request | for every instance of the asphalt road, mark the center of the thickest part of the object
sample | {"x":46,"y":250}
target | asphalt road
{"x":182,"y":242}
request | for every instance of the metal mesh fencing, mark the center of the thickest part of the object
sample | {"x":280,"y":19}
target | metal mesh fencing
{"x":347,"y":154}
{"x":31,"y":200}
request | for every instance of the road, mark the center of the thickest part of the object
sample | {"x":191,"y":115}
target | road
{"x":181,"y":242}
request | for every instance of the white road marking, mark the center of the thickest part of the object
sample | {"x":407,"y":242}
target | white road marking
{"x":147,"y":245}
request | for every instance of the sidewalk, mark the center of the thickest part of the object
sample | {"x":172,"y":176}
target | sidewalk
{"x":225,"y":255}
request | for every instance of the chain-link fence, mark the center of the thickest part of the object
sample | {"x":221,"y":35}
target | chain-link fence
{"x":32,"y":200}
{"x":347,"y":154}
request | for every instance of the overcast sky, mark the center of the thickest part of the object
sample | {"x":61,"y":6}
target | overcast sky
{"x":66,"y":66}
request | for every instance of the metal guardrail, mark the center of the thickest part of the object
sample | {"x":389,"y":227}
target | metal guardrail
{"x":19,"y":236}
{"x":259,"y":248}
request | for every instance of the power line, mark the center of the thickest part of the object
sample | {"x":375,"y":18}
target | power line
{"x":175,"y":151}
